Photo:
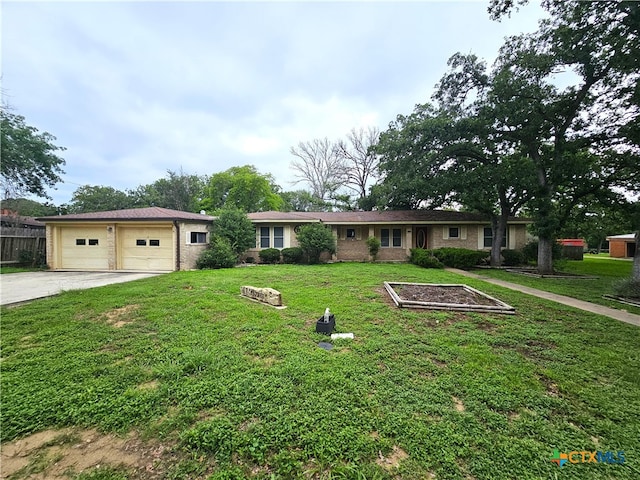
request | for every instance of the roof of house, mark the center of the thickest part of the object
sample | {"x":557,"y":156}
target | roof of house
{"x":626,"y":236}
{"x":130,"y":214}
{"x":20,"y":221}
{"x":385,"y":216}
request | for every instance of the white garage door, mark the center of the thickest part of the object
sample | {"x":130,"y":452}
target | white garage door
{"x":84,"y":248}
{"x":145,"y":248}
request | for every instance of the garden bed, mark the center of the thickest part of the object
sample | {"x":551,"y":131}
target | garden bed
{"x":444,"y":297}
{"x":532,"y":272}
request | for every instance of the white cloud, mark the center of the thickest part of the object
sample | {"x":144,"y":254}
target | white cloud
{"x":134,"y":89}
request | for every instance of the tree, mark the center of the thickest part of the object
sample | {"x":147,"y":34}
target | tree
{"x":360,"y":159}
{"x":177,"y":191}
{"x":584,"y":137}
{"x":234,"y":226}
{"x":29,"y":160}
{"x":320,"y":165}
{"x":447,"y":155}
{"x":315,"y":238}
{"x":30,"y":208}
{"x":97,"y":198}
{"x":242,"y":188}
{"x":302,"y":201}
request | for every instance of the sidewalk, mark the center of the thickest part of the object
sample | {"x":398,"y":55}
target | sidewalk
{"x":620,"y":315}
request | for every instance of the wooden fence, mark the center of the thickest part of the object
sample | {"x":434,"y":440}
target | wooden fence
{"x":20,"y":249}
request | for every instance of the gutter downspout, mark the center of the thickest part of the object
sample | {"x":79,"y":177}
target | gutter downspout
{"x":177,"y":225}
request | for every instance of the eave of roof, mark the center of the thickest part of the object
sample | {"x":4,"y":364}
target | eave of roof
{"x":378,"y":217}
{"x":129,"y":215}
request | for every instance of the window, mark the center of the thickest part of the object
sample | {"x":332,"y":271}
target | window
{"x":81,"y":241}
{"x":454,"y":232}
{"x":488,"y":238}
{"x":397,"y":237}
{"x":265,"y":237}
{"x":198,"y":237}
{"x":384,"y":237}
{"x":391,"y":237}
{"x":351,"y":233}
{"x":93,"y":241}
{"x":154,"y":243}
{"x":141,"y":243}
{"x":278,"y":237}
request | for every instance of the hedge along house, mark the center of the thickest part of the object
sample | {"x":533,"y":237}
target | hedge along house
{"x":139,"y":239}
{"x":398,"y":231}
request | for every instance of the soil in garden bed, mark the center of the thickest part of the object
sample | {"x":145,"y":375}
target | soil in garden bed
{"x":441,"y":294}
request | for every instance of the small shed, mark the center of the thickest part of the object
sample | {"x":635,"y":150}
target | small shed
{"x":622,"y":246}
{"x":138,"y":239}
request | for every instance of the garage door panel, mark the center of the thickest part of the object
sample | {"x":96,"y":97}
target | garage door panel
{"x":146,"y":248}
{"x":84,"y":248}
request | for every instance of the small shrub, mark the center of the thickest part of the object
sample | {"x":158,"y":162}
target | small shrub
{"x":374,"y":246}
{"x":269,"y":255}
{"x":628,"y":288}
{"x":424,"y":258}
{"x":250,"y":260}
{"x":315,"y":238}
{"x":513,"y":258}
{"x":292,"y":255}
{"x":459,"y":257}
{"x":218,"y":254}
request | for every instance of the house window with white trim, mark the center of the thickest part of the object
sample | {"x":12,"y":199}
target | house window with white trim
{"x":488,"y":238}
{"x":278,"y":237}
{"x":391,"y":237}
{"x":272,"y":236}
{"x":197,"y":237}
{"x":265,"y":237}
{"x":454,"y":232}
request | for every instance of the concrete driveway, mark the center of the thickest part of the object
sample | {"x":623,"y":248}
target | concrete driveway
{"x":23,"y":287}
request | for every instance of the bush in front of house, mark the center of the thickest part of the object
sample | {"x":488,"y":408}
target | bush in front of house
{"x":424,"y":258}
{"x":269,"y":255}
{"x":459,"y":257}
{"x":219,"y":254}
{"x":373,"y":243}
{"x":235,"y":226}
{"x":513,"y":258}
{"x":315,"y":238}
{"x":292,"y":255}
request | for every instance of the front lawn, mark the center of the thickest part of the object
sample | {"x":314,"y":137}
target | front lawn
{"x":608,"y":270}
{"x":211,"y":385}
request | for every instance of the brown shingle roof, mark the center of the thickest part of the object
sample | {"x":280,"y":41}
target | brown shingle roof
{"x":130,"y":214}
{"x":385,"y":216}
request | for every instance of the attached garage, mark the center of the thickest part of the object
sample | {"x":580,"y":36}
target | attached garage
{"x":141,"y":239}
{"x":83,"y":247}
{"x":145,"y":248}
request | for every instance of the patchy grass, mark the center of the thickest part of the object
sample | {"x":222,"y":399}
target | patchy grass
{"x":201,"y":383}
{"x":8,"y":269}
{"x":608,"y":270}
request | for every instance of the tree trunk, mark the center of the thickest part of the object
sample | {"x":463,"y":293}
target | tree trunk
{"x":545,"y":256}
{"x":635,"y":272}
{"x":498,"y":230}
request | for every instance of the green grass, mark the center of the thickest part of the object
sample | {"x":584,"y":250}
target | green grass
{"x":608,"y":271}
{"x":7,"y":269}
{"x":241,"y":390}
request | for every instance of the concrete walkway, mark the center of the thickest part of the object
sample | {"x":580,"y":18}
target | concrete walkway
{"x":620,"y":315}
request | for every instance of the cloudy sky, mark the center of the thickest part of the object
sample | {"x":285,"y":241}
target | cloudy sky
{"x":133,"y":89}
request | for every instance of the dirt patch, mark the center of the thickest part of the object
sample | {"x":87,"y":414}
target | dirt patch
{"x":52,"y":454}
{"x":119,"y":317}
{"x":458,"y":404}
{"x":393,"y":460}
{"x":435,"y":294}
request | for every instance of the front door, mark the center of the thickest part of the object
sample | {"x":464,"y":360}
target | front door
{"x":421,"y":237}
